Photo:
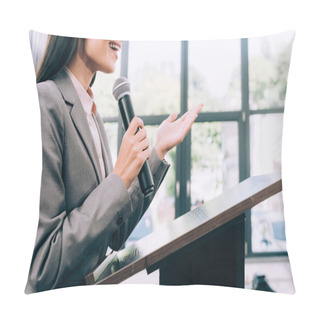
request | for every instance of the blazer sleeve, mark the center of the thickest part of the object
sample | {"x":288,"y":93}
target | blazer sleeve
{"x":139,"y":201}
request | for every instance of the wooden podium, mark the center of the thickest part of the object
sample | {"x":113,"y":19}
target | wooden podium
{"x":204,"y":246}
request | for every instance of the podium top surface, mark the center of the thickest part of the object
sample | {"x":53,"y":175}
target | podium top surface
{"x":186,"y":229}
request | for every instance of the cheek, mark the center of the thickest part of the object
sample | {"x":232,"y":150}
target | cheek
{"x":101,"y":56}
{"x":96,"y":51}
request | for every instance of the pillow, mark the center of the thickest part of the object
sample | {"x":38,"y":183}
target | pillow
{"x":235,"y":144}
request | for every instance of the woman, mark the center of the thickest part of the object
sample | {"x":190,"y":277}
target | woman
{"x":86,"y":205}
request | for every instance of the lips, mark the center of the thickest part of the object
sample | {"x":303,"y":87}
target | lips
{"x":115,"y":46}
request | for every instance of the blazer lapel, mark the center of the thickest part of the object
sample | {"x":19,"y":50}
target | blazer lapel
{"x":78,"y":116}
{"x":107,"y":158}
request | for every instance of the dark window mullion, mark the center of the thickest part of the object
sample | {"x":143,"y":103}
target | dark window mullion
{"x":154,"y":120}
{"x":244,"y":135}
{"x":203,"y":117}
{"x":219,"y":116}
{"x":123,"y":73}
{"x":183,"y":153}
{"x":267,"y":111}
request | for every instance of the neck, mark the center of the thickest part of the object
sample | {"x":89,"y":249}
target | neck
{"x":81,"y":71}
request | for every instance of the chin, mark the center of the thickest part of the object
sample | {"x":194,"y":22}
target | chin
{"x":109,"y":69}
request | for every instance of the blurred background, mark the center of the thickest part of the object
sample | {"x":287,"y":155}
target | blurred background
{"x":242,"y":83}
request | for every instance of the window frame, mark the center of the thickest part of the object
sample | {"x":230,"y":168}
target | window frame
{"x":183,"y":151}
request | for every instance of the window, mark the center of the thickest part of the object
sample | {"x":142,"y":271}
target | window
{"x":214,"y":159}
{"x":154,"y":74}
{"x":214,"y":74}
{"x":267,"y":219}
{"x":268,"y":70}
{"x":242,"y":84}
{"x":268,"y":59}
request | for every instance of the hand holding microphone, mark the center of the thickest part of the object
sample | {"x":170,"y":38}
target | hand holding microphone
{"x":134,"y":150}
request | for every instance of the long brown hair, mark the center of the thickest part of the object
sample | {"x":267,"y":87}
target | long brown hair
{"x":59,"y":52}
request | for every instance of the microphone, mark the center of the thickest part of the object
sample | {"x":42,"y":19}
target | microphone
{"x":121,"y":92}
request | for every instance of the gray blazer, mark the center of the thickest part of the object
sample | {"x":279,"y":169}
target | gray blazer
{"x":81,"y":212}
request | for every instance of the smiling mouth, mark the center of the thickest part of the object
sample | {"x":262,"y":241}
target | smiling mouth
{"x":114,"y":46}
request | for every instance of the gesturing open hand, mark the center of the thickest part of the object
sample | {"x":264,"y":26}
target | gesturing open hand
{"x":172,"y":130}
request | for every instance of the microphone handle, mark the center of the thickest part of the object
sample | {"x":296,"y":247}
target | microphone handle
{"x":127,"y":114}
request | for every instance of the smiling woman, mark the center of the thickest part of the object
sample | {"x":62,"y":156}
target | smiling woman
{"x":86,"y":204}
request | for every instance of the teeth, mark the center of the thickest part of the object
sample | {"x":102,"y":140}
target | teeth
{"x":114,"y":46}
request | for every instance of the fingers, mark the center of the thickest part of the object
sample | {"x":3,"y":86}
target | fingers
{"x":188,"y":123}
{"x":143,"y":145}
{"x":141,"y":152}
{"x":137,"y":139}
{"x":191,"y":114}
{"x":189,"y":118}
{"x":146,"y":154}
{"x":194,"y":112}
{"x":134,"y":151}
{"x":172,"y":117}
{"x":134,"y":125}
{"x":198,"y":108}
{"x":141,"y":134}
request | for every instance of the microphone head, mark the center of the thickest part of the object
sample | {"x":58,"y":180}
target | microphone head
{"x":121,"y":88}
